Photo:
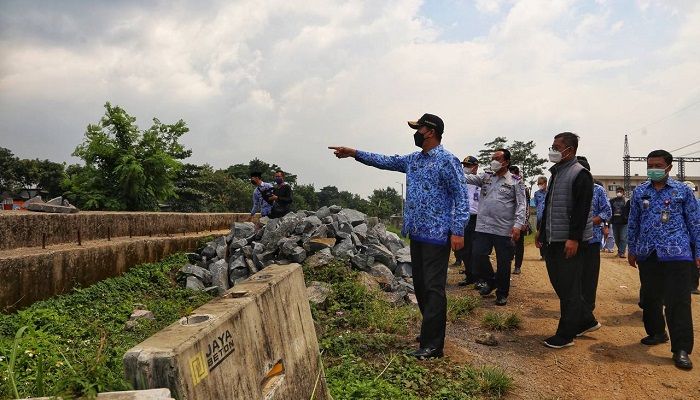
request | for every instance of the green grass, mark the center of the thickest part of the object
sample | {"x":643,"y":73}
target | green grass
{"x":73,"y":344}
{"x":501,"y":321}
{"x":364,"y":341}
{"x":461,"y":307}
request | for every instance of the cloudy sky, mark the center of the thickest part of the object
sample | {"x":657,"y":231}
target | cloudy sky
{"x":281,"y":80}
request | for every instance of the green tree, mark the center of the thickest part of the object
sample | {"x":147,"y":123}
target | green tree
{"x":384,"y":203}
{"x":267,"y":170}
{"x":305,"y":198}
{"x":18,"y":174}
{"x":127,"y":169}
{"x":521,"y":154}
{"x":8,"y":168}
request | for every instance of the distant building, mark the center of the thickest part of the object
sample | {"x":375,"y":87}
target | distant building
{"x":15,"y":201}
{"x":612,"y":182}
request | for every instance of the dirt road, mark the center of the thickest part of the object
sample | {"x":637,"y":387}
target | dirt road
{"x":607,"y":364}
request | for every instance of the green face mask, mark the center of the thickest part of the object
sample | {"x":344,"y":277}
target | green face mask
{"x":656,"y":174}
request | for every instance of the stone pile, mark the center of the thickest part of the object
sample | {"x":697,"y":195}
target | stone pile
{"x":316,"y":238}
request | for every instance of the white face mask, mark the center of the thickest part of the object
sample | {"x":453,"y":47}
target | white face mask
{"x":541,"y":187}
{"x":620,"y":195}
{"x":554,"y":156}
{"x":495,"y":165}
{"x":466,"y":170}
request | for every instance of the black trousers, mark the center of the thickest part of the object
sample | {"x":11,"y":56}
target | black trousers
{"x":565,"y":274}
{"x":520,"y":250}
{"x":694,"y":278}
{"x":429,"y":262}
{"x":590,"y":274}
{"x":470,"y":272}
{"x":483,"y":243}
{"x":665,"y":291}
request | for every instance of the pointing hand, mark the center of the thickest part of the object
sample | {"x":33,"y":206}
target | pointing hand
{"x":343,"y":152}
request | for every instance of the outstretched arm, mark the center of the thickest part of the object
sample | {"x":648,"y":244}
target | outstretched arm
{"x":391,"y":163}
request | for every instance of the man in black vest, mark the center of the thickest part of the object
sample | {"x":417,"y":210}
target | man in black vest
{"x":564,"y":231}
{"x":620,"y":214}
{"x":282,"y":196}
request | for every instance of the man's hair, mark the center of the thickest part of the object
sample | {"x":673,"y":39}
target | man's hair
{"x":279,"y":171}
{"x":541,"y":179}
{"x":506,"y":153}
{"x":570,"y":139}
{"x":668,"y":158}
{"x":620,"y":189}
{"x":584,"y":162}
{"x":513,"y":169}
{"x":256,"y":174}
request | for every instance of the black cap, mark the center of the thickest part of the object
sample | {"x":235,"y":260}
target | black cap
{"x":429,"y":121}
{"x":470,"y":160}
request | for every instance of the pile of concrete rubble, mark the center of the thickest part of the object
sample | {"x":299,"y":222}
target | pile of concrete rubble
{"x":313,"y":238}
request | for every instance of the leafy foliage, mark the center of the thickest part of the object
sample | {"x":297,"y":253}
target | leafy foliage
{"x":17,"y":174}
{"x":126,"y":169}
{"x":522,"y":155}
{"x":77,"y":341}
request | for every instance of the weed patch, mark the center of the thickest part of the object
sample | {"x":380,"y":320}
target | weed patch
{"x":459,"y":307}
{"x":501,"y":321}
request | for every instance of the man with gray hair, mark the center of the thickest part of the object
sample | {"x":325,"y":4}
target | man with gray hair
{"x":564,"y":231}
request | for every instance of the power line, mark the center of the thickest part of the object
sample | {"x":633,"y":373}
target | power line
{"x":683,"y":147}
{"x":667,"y":116}
{"x":690,"y":154}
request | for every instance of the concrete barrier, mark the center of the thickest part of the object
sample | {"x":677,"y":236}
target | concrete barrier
{"x":154,"y":394}
{"x":33,"y":229}
{"x":33,"y":274}
{"x":255,"y":342}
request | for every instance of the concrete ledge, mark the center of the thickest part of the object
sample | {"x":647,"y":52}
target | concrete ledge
{"x":255,"y":342}
{"x":29,"y":229}
{"x":36,"y":274}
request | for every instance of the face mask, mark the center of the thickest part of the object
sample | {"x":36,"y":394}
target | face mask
{"x":279,"y":180}
{"x":656,"y":174}
{"x":620,"y":195}
{"x":541,"y":187}
{"x":252,"y":182}
{"x":495,"y":165}
{"x":418,"y":139}
{"x":554,"y":156}
{"x":466,"y":170}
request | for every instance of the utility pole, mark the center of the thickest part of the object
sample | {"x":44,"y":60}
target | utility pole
{"x":626,"y":164}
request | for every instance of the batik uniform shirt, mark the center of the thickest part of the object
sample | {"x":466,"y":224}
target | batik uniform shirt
{"x":601,"y":208}
{"x":437,"y":204}
{"x":666,"y":221}
{"x":259,"y":204}
{"x":539,"y":197}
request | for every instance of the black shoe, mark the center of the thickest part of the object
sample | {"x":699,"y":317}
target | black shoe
{"x":465,"y":282}
{"x":486,"y":290}
{"x":593,"y":326}
{"x":427,"y":352}
{"x":501,"y":300}
{"x":516,"y":271}
{"x":479,"y":285}
{"x":653,"y":340}
{"x":418,"y":338}
{"x":682,"y":360}
{"x":557,"y":342}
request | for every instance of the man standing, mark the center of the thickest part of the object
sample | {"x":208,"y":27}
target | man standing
{"x":664,"y":231}
{"x":539,"y":197}
{"x":621,"y":211}
{"x":436,"y":212}
{"x":262,"y":194}
{"x":282,"y":196}
{"x":470,"y":165}
{"x":600,"y":212}
{"x":565,"y":230}
{"x":501,"y":218}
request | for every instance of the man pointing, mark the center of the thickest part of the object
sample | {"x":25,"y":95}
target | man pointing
{"x":436,"y":212}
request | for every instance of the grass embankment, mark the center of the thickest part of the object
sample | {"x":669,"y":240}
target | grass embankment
{"x":73,"y":345}
{"x":364,"y":340}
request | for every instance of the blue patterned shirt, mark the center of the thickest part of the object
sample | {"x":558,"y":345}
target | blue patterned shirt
{"x":600,"y":207}
{"x":437,"y":203}
{"x":259,"y":204}
{"x":666,"y":221}
{"x":539,"y":197}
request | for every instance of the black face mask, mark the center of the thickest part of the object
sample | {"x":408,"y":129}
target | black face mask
{"x":252,"y":182}
{"x":418,"y":139}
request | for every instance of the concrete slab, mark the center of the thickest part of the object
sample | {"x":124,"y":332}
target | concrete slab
{"x":257,"y":341}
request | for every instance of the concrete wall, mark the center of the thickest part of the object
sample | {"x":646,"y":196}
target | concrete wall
{"x":26,"y":228}
{"x":255,"y":342}
{"x":30,"y":275}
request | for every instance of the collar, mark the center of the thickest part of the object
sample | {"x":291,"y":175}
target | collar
{"x":432,"y":152}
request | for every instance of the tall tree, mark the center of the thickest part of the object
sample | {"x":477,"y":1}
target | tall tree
{"x":384,"y":203}
{"x":521,"y":154}
{"x":128,"y":169}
